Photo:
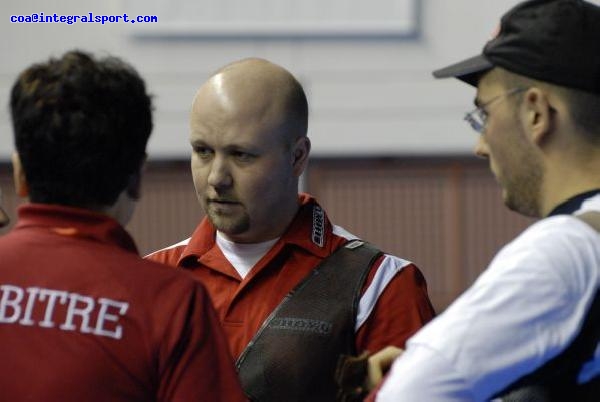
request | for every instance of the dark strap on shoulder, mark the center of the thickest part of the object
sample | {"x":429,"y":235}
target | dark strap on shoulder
{"x":557,"y":379}
{"x":294,"y":354}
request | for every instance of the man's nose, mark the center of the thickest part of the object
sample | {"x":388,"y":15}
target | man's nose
{"x":481,"y":148}
{"x":219,"y":175}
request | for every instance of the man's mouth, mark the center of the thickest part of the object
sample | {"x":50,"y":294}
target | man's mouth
{"x":223,"y":206}
{"x":222,"y":201}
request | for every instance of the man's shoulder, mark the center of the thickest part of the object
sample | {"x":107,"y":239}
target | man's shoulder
{"x":169,"y":255}
{"x":556,"y":233}
{"x":342,"y":233}
{"x":154,"y":272}
{"x":562,"y":250}
{"x":391,"y":262}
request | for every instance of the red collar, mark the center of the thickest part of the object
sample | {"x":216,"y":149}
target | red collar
{"x":69,"y":221}
{"x":310,"y":230}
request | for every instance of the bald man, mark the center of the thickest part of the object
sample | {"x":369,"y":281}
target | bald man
{"x":293,"y":291}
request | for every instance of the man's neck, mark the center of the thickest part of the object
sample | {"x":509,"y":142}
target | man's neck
{"x":121,"y":210}
{"x":567,"y":183}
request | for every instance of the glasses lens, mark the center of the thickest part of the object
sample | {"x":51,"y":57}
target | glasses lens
{"x":475,"y":121}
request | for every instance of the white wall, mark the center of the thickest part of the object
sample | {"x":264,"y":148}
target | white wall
{"x":367,"y":96}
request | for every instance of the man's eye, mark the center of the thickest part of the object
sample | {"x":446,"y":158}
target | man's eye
{"x":243,"y":156}
{"x":202,"y":152}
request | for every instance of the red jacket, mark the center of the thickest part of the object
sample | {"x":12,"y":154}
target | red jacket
{"x":393,"y":308}
{"x":84,"y":318}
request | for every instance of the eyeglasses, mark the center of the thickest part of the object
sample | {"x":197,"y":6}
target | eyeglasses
{"x":477,"y":118}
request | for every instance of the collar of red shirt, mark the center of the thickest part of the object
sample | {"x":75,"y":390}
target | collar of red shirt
{"x":311,"y":230}
{"x":69,"y":221}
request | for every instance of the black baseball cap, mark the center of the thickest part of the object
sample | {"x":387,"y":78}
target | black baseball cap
{"x":556,"y":41}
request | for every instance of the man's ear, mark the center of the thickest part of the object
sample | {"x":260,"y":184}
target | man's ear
{"x":134,"y":185}
{"x":300,"y":152}
{"x":21,"y":184}
{"x":539,"y":115}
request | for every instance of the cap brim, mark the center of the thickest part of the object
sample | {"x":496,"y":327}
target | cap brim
{"x":4,"y":219}
{"x":468,"y":70}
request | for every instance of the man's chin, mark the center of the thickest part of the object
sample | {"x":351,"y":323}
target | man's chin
{"x":228,"y":226}
{"x":528,"y":209}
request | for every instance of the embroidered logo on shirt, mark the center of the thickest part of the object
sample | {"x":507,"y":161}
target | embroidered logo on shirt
{"x":301,"y":324}
{"x":67,"y":311}
{"x":318,"y":230}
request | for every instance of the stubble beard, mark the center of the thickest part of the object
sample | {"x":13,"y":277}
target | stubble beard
{"x":522,"y":193}
{"x":226,"y":223}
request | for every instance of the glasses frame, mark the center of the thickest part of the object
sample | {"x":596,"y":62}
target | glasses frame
{"x":477,"y":118}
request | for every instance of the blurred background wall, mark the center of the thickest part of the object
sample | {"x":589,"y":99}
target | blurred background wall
{"x":391,"y":156}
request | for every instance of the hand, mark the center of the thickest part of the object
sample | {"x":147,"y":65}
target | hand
{"x":379,"y":363}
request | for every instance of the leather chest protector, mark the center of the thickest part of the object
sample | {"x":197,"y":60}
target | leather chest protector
{"x":294,"y":354}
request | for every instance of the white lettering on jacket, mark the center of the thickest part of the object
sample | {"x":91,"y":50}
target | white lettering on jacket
{"x":49,"y":308}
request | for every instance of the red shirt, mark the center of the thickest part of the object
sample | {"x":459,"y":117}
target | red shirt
{"x":392,"y":309}
{"x":84,"y":318}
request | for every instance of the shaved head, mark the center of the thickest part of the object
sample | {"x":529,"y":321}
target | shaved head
{"x":256,"y":88}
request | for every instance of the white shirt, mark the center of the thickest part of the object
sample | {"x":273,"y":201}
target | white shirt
{"x":241,"y":255}
{"x":522,"y":311}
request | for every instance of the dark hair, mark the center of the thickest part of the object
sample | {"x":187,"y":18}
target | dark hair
{"x":584,"y":106}
{"x":585,"y":109}
{"x":80,"y":126}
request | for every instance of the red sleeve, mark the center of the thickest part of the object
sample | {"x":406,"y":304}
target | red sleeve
{"x":194,"y":360}
{"x":400,"y":311}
